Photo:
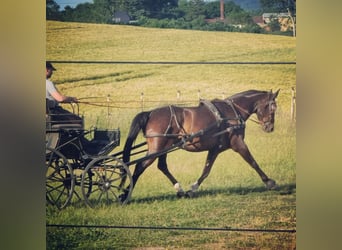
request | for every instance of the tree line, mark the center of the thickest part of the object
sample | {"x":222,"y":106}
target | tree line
{"x":179,"y":14}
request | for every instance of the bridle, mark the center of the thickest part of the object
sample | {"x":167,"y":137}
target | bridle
{"x":271,"y":104}
{"x":272,"y":108}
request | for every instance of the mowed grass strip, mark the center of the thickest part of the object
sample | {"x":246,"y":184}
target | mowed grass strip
{"x":233,"y":194}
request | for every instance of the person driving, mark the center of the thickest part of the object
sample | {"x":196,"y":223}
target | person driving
{"x":54,"y":98}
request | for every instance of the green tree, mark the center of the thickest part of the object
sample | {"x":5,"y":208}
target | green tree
{"x":103,"y":10}
{"x":52,"y":10}
{"x":133,"y":7}
{"x":278,"y":5}
{"x":212,"y":9}
{"x":67,"y":14}
{"x":193,"y":9}
{"x":159,"y":8}
{"x":240,"y":18}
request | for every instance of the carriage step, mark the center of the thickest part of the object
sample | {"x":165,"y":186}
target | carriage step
{"x":67,"y":126}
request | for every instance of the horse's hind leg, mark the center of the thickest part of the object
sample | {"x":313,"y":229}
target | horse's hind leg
{"x":162,"y":166}
{"x":140,"y":167}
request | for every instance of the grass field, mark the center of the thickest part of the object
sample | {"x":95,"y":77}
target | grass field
{"x":233,"y":194}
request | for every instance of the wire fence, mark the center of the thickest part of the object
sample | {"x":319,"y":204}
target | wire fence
{"x":146,"y":102}
{"x":143,"y":104}
{"x":171,"y":62}
{"x":174,"y":228}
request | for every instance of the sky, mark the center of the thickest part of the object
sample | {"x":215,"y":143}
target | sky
{"x":71,"y":3}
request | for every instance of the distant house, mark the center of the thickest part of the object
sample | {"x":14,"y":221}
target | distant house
{"x":268,"y":17}
{"x":121,"y":17}
{"x":283,"y":19}
{"x":258,"y":20}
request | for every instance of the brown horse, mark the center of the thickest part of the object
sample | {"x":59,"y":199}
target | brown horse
{"x":213,"y":126}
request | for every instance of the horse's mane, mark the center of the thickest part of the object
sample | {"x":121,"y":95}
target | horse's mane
{"x":248,"y":93}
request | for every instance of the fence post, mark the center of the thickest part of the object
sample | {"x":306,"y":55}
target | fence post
{"x":142,"y":101}
{"x":108,"y":110}
{"x":293,"y":104}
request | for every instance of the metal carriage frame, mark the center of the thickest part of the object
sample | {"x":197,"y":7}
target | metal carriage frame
{"x":69,"y":150}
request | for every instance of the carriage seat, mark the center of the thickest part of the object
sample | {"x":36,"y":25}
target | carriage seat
{"x":54,"y":124}
{"x":102,"y":142}
{"x":59,"y":126}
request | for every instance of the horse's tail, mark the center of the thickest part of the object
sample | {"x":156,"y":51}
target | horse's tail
{"x":139,"y":123}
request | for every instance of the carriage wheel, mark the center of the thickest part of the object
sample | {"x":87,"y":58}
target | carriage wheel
{"x":110,"y":179}
{"x":60,"y":181}
{"x":78,"y":172}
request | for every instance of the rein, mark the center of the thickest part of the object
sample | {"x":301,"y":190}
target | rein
{"x":243,"y":110}
{"x":101,"y":104}
{"x":96,"y":104}
{"x":105,"y":104}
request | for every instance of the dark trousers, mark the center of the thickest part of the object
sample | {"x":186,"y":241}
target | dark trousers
{"x":59,"y":115}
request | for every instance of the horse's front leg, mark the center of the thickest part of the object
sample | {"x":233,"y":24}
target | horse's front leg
{"x":241,"y":147}
{"x":211,"y":157}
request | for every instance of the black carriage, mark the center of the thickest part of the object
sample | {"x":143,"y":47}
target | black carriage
{"x":78,"y":164}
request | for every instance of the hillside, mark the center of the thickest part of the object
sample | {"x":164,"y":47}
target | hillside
{"x":81,"y":41}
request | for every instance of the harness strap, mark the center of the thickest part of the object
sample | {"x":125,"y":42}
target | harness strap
{"x":237,"y":115}
{"x":218,"y":117}
{"x":213,"y":110}
{"x":173,"y":116}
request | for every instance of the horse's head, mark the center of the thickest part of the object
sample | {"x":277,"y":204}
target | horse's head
{"x":265,"y":111}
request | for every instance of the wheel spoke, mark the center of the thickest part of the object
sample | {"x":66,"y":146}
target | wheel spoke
{"x":59,"y":179}
{"x":110,"y":176}
{"x":100,"y":196}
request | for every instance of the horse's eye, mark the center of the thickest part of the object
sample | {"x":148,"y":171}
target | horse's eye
{"x":273,"y":107}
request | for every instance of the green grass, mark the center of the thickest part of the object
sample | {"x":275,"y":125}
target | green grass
{"x":233,"y":194}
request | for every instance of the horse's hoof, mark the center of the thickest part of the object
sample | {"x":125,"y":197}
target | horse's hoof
{"x":123,"y":198}
{"x":271,"y":184}
{"x":180,"y":194}
{"x":190,"y":194}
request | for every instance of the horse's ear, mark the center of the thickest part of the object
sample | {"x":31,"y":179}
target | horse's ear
{"x":276,"y":94}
